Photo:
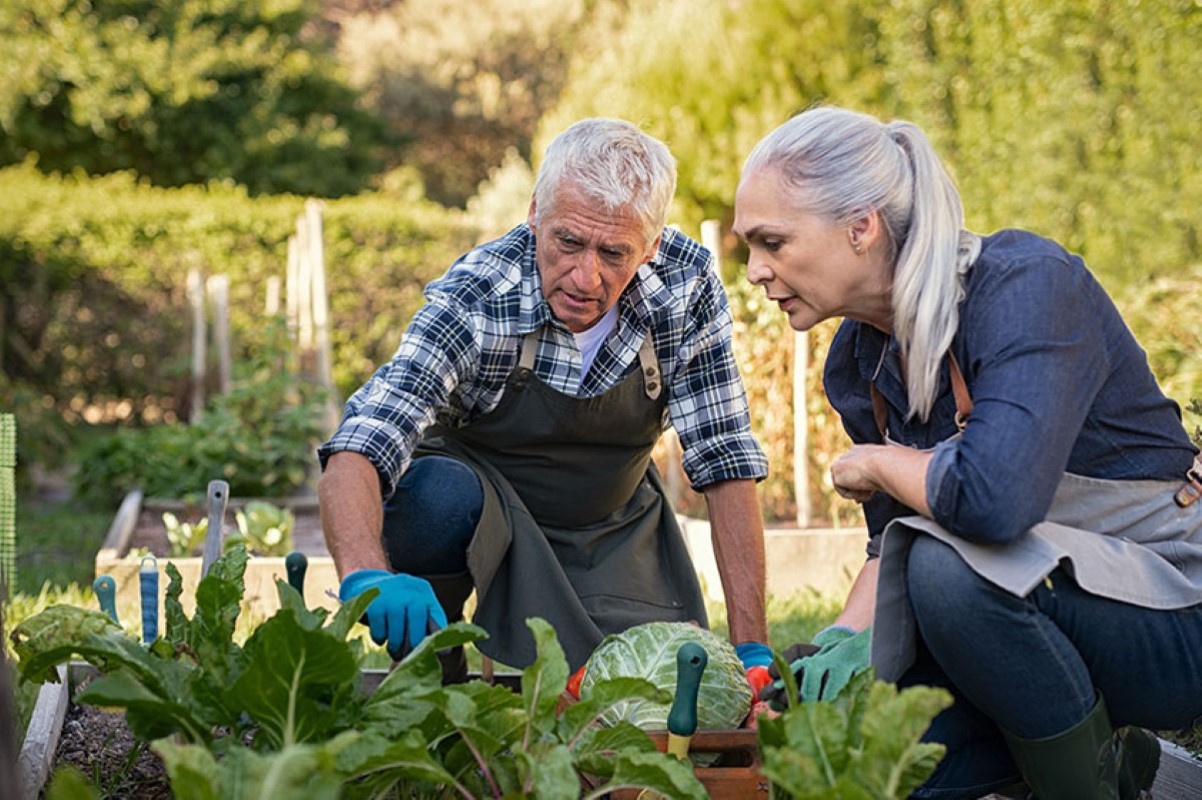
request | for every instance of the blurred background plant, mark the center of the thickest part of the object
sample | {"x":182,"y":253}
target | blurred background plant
{"x":264,"y":529}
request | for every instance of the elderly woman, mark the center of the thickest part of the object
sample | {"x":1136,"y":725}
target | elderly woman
{"x":1031,"y":495}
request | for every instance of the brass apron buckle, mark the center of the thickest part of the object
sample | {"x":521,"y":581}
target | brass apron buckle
{"x":1191,"y":492}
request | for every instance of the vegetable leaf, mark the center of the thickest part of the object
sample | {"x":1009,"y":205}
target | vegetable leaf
{"x":293,"y":680}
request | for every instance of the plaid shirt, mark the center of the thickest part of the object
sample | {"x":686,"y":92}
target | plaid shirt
{"x":462,"y":345}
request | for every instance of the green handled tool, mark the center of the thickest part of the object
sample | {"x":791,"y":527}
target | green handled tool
{"x":691,"y":659}
{"x":296,"y":564}
{"x":106,"y":592}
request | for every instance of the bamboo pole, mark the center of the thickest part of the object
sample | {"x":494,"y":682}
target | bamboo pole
{"x":801,"y":428}
{"x":219,"y":292}
{"x":321,"y":310}
{"x":196,"y":296}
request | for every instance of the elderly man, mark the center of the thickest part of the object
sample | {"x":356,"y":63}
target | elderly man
{"x":506,"y":447}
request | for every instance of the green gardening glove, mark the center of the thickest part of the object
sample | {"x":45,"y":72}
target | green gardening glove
{"x":842,"y":654}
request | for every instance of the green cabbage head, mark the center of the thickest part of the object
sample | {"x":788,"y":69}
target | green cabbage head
{"x":649,"y":651}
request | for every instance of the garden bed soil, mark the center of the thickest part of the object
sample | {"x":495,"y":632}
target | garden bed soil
{"x":99,"y":744}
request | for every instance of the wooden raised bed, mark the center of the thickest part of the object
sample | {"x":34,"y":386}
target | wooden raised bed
{"x":139,"y":524}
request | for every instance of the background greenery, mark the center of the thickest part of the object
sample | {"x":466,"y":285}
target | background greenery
{"x":142,"y":139}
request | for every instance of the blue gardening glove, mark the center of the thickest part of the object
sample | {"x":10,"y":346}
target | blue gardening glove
{"x":823,"y":668}
{"x":756,"y":658}
{"x":402,"y":614}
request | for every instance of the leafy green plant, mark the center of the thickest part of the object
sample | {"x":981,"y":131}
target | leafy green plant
{"x":287,"y":713}
{"x":263,"y":528}
{"x":258,"y":437}
{"x":184,"y":538}
{"x":862,"y":745}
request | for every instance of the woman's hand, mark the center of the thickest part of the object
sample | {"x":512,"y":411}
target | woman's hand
{"x":899,"y":472}
{"x":852,"y":472}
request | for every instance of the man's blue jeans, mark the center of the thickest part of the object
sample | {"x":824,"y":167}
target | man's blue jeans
{"x":430,"y":520}
{"x":1035,"y":665}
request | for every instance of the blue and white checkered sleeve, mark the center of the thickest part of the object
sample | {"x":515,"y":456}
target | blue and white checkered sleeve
{"x":709,"y":403}
{"x":385,"y":418}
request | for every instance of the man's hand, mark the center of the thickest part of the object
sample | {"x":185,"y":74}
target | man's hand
{"x":824,"y":667}
{"x":402,"y":614}
{"x":756,"y":658}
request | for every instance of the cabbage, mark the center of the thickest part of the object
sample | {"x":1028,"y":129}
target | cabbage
{"x":649,"y":651}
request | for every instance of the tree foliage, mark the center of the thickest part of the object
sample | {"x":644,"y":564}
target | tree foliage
{"x":468,"y":80}
{"x":183,"y":91}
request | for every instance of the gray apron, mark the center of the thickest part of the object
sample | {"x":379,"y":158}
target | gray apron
{"x":1124,"y":540}
{"x":575,"y":527}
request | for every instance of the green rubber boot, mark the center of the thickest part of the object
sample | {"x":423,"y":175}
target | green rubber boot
{"x":452,"y":592}
{"x":1090,"y":761}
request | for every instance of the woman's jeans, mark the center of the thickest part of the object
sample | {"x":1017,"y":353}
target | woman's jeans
{"x":430,"y":520}
{"x":1035,"y":665}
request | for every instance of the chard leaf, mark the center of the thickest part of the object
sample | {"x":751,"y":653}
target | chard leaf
{"x":52,"y":636}
{"x":192,"y":769}
{"x":595,"y":750}
{"x":398,"y":702}
{"x":307,"y":771}
{"x":894,"y":762}
{"x":291,"y":680}
{"x":378,"y":765}
{"x":544,"y":680}
{"x":495,"y":721}
{"x":291,"y":599}
{"x":546,"y":771}
{"x":218,"y":603}
{"x":150,"y":714}
{"x":602,"y":698}
{"x":349,"y":613}
{"x":177,"y":626}
{"x":863,"y":744}
{"x":656,"y":771}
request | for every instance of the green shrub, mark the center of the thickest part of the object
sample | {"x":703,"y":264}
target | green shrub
{"x":259,"y":438}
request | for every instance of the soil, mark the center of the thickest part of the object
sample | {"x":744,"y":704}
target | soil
{"x":99,"y":744}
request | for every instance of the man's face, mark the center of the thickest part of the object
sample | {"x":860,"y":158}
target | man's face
{"x":586,"y":256}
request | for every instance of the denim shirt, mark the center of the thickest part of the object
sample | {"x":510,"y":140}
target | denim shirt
{"x":1058,"y":385}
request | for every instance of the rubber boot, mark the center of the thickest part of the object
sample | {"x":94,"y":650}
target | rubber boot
{"x":1086,"y":761}
{"x":452,"y":592}
{"x":1139,"y":758}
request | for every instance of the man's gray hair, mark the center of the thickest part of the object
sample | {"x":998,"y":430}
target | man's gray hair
{"x":845,"y":165}
{"x":615,"y":164}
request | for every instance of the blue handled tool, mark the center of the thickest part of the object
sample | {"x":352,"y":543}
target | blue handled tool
{"x":148,"y":578}
{"x":296,"y":564}
{"x":106,"y":592}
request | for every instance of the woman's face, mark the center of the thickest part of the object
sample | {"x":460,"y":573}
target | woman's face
{"x":813,"y":269}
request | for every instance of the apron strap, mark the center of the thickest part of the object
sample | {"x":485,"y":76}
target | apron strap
{"x":880,"y":408}
{"x":653,"y":383}
{"x":652,"y":380}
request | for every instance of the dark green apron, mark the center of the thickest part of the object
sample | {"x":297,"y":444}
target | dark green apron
{"x":576,"y":528}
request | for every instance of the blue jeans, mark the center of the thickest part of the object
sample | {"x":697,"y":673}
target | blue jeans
{"x":430,"y":520}
{"x":1035,"y":665}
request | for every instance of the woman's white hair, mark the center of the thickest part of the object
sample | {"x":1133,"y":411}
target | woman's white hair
{"x":615,"y":164}
{"x":845,"y":165}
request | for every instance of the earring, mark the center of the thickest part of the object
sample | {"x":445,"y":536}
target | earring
{"x":856,"y":246}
